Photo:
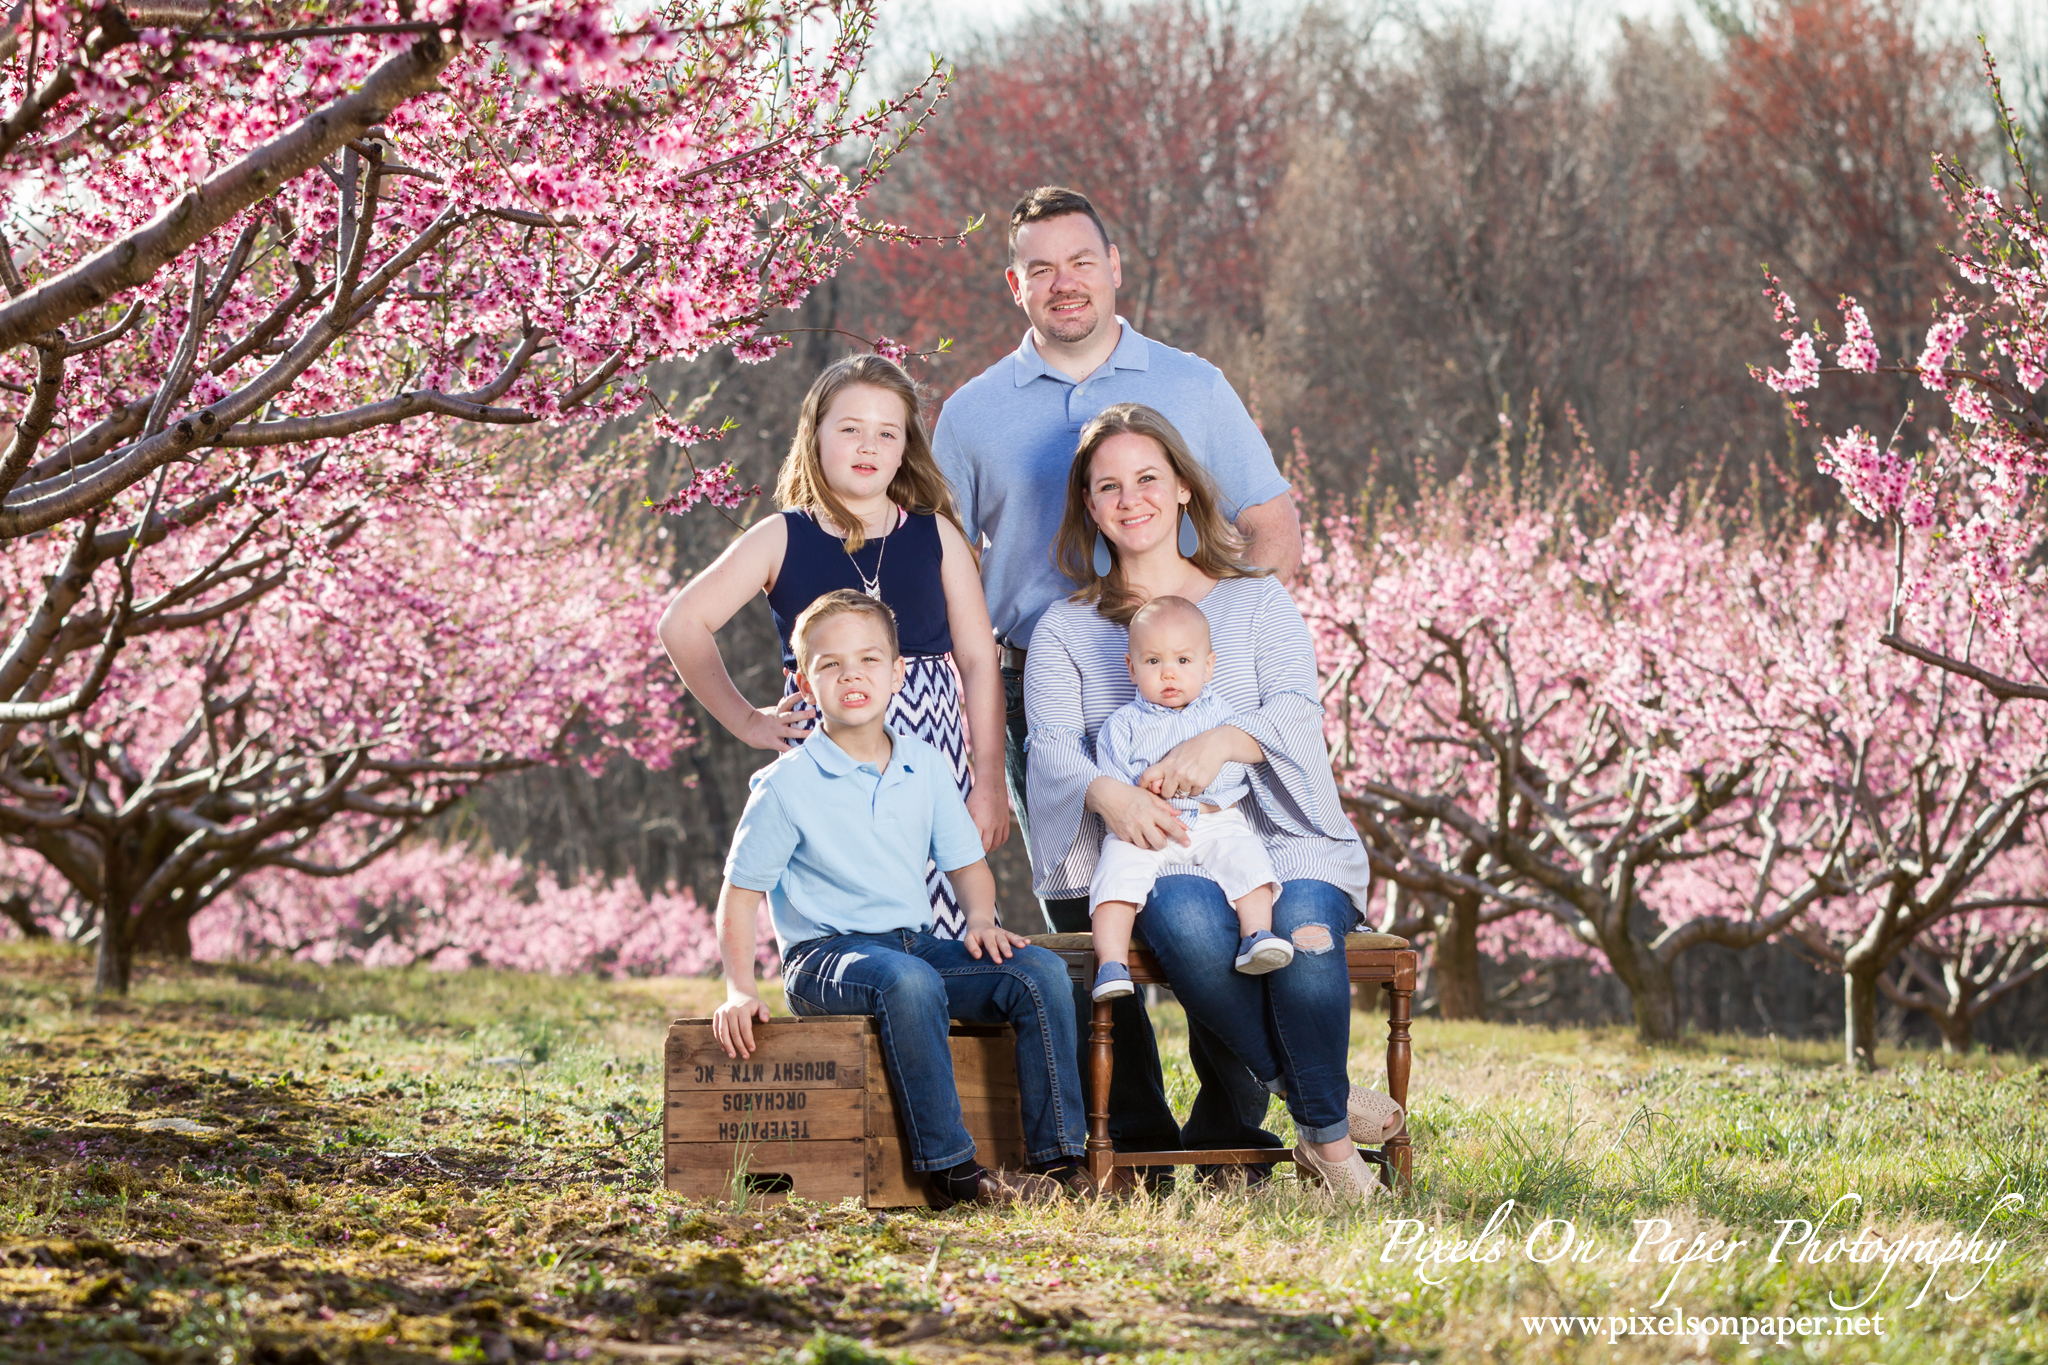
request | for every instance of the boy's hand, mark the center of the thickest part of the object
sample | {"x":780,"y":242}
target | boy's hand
{"x":733,"y":1023}
{"x":999,"y":942}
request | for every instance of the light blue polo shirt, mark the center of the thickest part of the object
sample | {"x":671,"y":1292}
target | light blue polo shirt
{"x":1007,"y":438}
{"x":840,"y":847}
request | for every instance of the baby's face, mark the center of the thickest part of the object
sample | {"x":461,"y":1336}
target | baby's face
{"x":1171,"y":662}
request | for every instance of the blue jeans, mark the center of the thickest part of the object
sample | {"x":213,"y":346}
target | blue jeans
{"x":1229,"y":1106}
{"x":914,"y":985}
{"x":1292,"y":1027}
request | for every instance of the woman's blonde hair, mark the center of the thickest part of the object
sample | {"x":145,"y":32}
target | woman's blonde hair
{"x":918,"y":486}
{"x":1219,"y":553}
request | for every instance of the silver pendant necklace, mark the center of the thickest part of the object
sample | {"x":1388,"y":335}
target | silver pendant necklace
{"x":871,"y":586}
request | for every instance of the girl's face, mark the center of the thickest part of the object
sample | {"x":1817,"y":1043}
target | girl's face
{"x":860,"y":441}
{"x":1133,"y":494}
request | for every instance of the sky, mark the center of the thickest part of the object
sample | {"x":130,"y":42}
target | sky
{"x":916,"y":23}
{"x":912,"y":27}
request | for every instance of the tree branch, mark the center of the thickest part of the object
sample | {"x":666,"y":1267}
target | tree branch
{"x":2003,"y":688}
{"x":137,"y":257}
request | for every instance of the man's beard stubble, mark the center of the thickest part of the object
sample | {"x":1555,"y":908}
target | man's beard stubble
{"x":1071,"y":332}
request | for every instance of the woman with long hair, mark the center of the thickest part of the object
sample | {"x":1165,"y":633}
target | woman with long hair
{"x":1142,"y":522}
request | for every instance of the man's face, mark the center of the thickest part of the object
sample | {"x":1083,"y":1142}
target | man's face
{"x":1171,"y":661}
{"x":1065,"y":278}
{"x":850,"y":672}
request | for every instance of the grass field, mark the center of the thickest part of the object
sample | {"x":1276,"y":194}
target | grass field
{"x":463,"y":1166}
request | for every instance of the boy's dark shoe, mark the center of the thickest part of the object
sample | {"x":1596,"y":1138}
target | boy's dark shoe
{"x":983,"y":1186}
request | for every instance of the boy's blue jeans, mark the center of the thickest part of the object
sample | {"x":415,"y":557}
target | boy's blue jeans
{"x":914,"y":984}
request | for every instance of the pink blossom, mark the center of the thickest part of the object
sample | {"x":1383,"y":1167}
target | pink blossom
{"x":451,"y":907}
{"x":1942,"y":339}
{"x":1858,"y":351}
{"x":718,"y":486}
{"x":1875,"y":481}
{"x":1802,"y":367}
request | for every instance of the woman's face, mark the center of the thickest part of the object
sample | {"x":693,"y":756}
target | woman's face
{"x":860,"y":441}
{"x":1133,"y":494}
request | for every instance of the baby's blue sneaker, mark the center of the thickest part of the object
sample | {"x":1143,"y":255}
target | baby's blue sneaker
{"x":1263,"y":951}
{"x":1111,"y":980}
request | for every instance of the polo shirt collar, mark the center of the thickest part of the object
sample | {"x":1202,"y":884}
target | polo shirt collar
{"x":1131,"y":353}
{"x":834,"y":761}
{"x":1153,"y":708}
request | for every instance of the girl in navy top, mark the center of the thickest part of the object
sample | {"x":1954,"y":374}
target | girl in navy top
{"x":864,"y":507}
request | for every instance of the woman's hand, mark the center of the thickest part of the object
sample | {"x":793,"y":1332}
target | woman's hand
{"x":774,"y":727}
{"x":1191,"y":765}
{"x":988,"y":805}
{"x":1137,"y":817}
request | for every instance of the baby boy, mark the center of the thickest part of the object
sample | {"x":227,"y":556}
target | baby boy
{"x":1171,"y":660}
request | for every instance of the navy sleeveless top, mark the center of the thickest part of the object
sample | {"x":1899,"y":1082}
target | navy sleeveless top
{"x":816,"y":563}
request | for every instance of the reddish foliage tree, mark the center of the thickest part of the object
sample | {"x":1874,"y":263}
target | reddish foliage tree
{"x":1169,"y":115}
{"x":1828,"y":114}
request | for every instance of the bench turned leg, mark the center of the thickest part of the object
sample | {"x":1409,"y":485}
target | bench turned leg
{"x":1101,"y":1063}
{"x":1400,"y":999}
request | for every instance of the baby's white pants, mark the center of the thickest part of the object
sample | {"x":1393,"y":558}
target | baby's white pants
{"x":1224,"y":847}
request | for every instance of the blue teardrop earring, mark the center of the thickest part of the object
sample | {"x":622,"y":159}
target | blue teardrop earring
{"x":1190,"y":539}
{"x":1103,"y":562}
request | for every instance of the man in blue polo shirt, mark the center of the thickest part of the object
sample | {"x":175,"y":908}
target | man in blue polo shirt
{"x":835,"y":836}
{"x":1005,"y":440}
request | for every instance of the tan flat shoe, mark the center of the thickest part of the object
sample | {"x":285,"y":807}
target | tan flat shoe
{"x":1352,"y":1181}
{"x":1374,"y":1117}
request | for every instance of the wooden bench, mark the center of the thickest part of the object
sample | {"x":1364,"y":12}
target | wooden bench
{"x":1383,"y":958}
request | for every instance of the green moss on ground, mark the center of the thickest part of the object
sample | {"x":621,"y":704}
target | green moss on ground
{"x":406,"y":1165}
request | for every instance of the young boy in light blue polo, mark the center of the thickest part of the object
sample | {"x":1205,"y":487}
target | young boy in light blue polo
{"x":836,"y":836}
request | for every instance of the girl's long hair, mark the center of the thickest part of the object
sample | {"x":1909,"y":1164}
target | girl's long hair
{"x":918,"y":487}
{"x":1219,"y":555}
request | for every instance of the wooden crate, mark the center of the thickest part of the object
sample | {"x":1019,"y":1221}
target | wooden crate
{"x":810,"y":1113}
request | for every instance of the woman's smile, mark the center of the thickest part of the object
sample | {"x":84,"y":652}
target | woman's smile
{"x":1134,"y":497}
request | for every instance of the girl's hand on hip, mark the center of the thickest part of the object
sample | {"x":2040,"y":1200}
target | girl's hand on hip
{"x":774,"y":727}
{"x":988,"y":805}
{"x":1136,"y":816}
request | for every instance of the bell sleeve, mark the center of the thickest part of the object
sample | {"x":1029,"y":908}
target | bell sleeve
{"x":1293,"y":785}
{"x":1065,"y":837}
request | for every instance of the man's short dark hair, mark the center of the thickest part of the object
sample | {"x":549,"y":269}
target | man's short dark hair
{"x":1052,"y":201}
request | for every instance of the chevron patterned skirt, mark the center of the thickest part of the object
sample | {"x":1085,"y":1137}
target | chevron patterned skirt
{"x":929,"y":706}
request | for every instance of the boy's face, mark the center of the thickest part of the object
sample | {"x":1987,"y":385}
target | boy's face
{"x":1171,"y":662}
{"x":851,"y":672}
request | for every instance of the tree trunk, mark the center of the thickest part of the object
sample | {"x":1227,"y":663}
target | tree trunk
{"x":1458,"y":991}
{"x":1958,"y":1031}
{"x":1655,"y":996}
{"x":17,"y":908}
{"x":1859,"y":1037}
{"x":1651,"y":988}
{"x":116,"y":962}
{"x":163,"y":933}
